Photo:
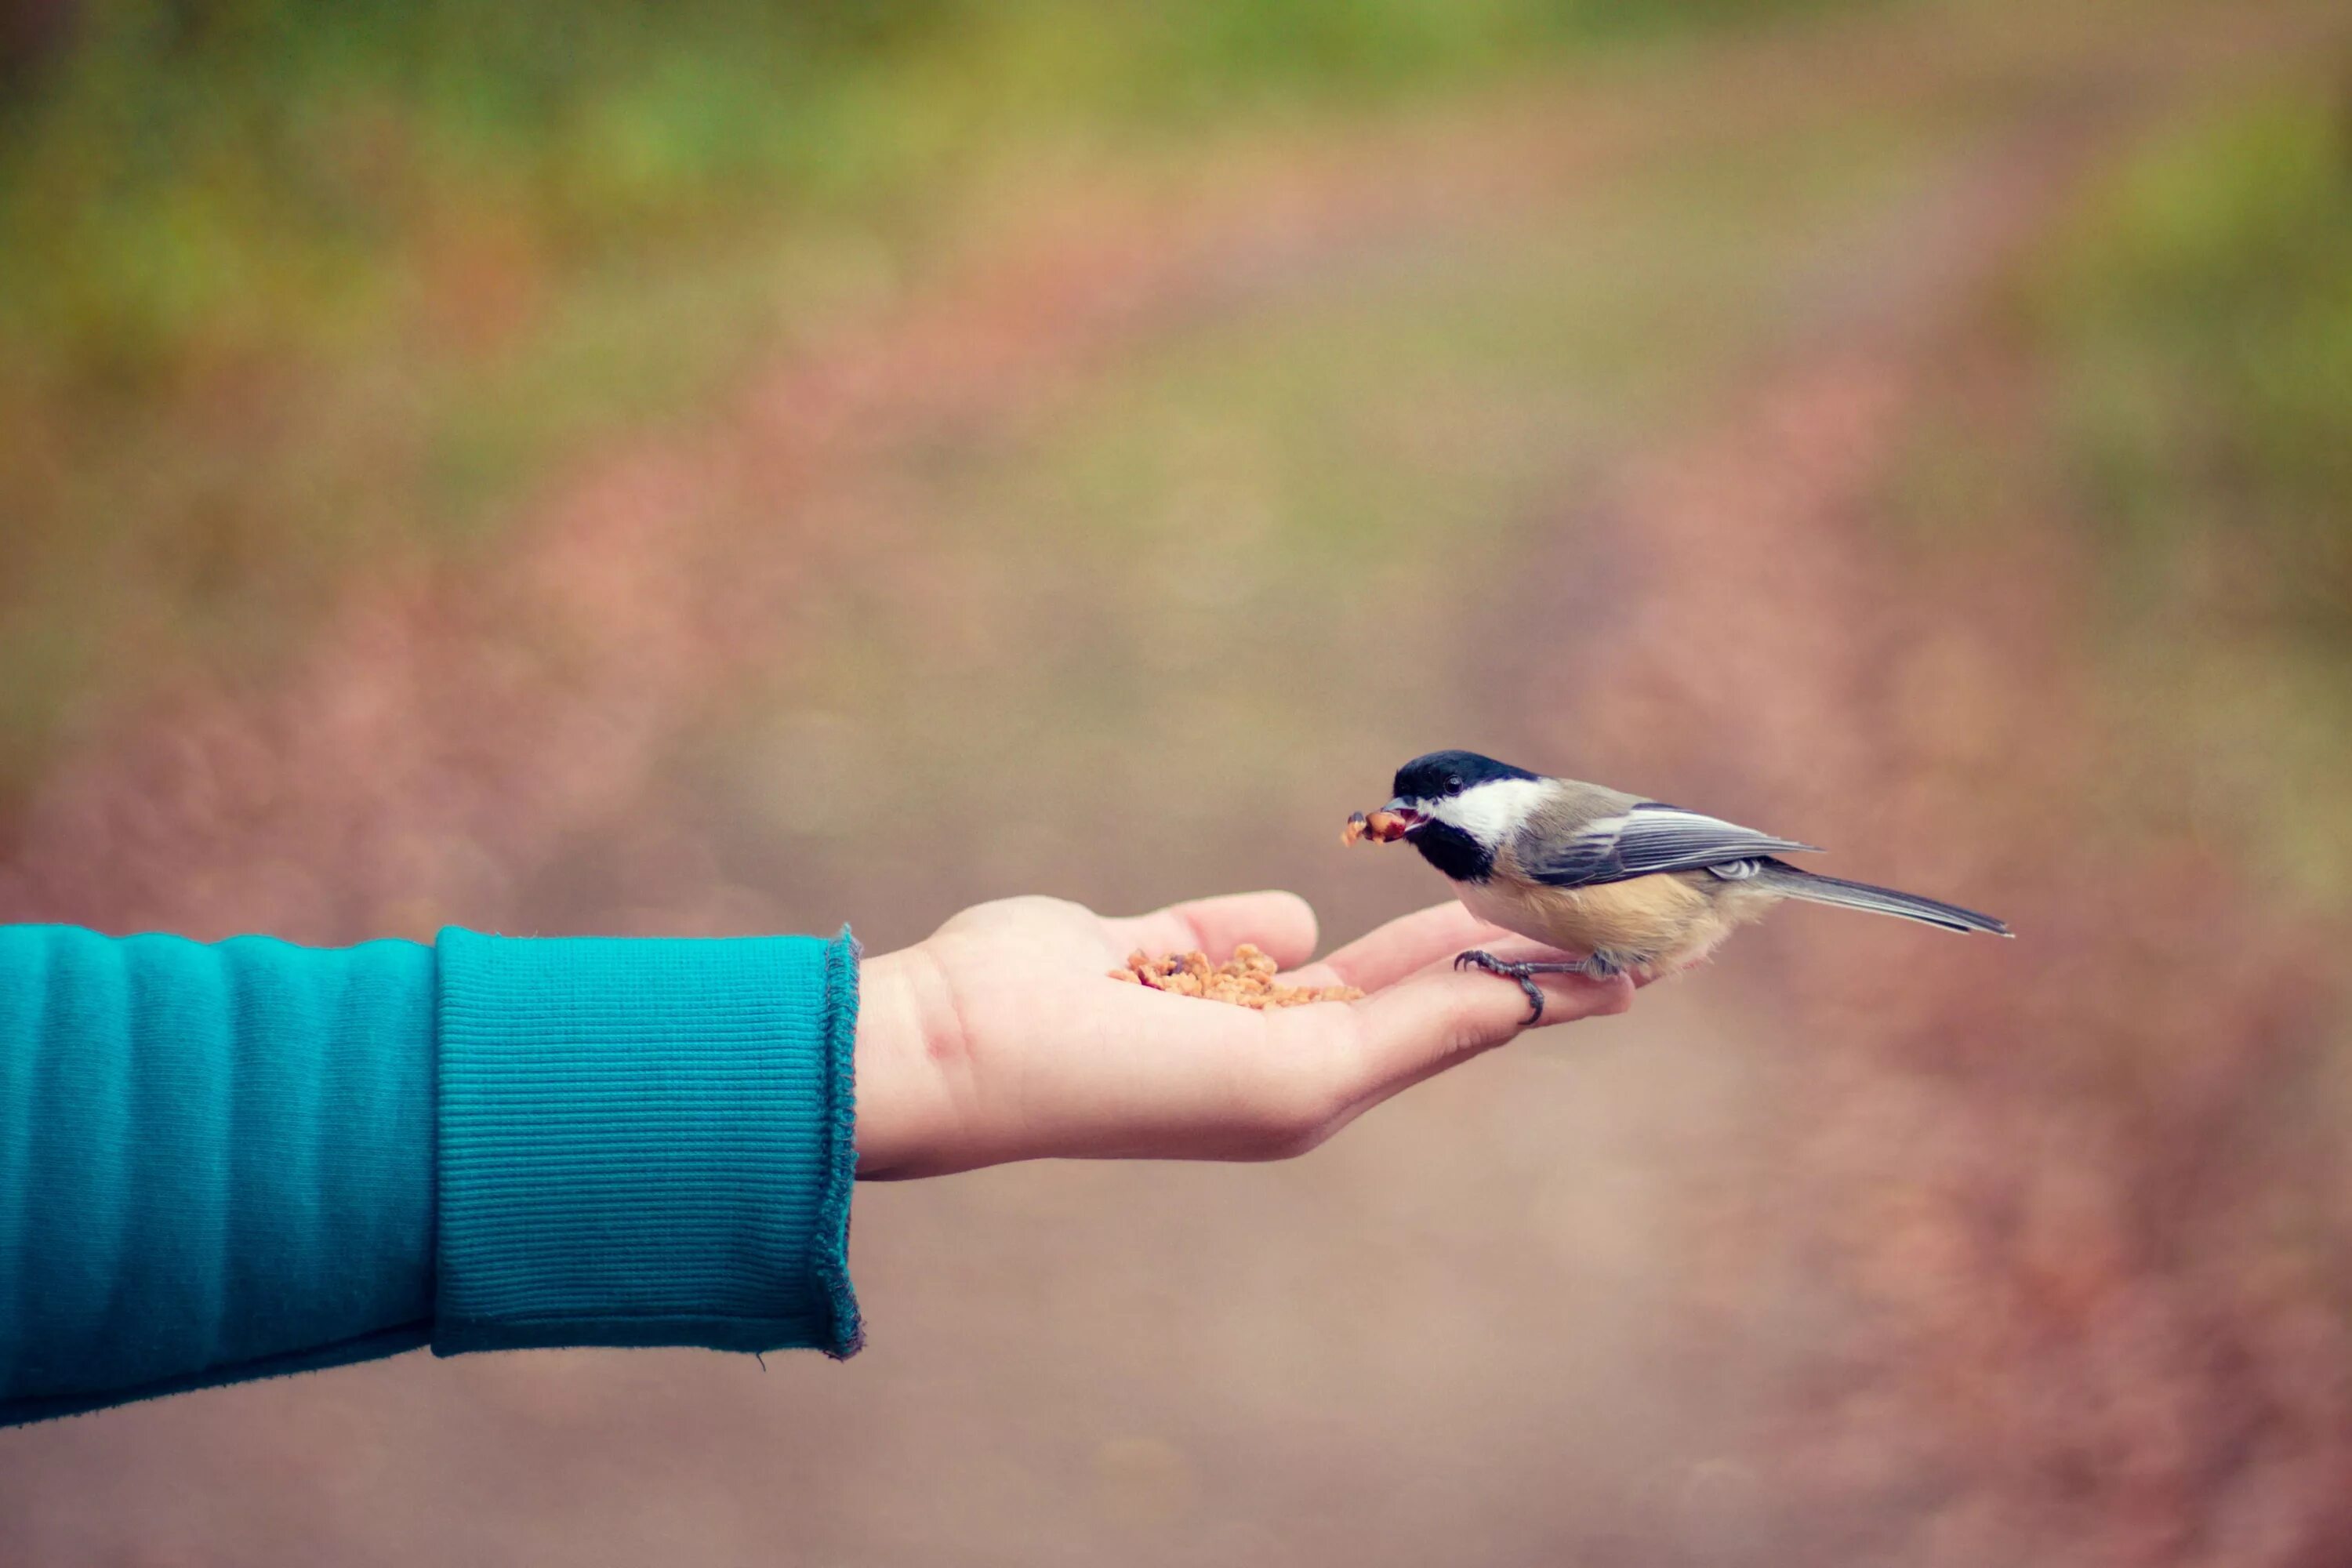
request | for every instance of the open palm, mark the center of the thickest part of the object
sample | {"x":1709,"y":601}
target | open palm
{"x":1002,"y":1036}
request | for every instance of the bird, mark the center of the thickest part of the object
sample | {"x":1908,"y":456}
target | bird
{"x":1637,"y":886}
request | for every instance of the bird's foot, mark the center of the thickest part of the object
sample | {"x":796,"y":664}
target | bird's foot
{"x":1598,"y":966}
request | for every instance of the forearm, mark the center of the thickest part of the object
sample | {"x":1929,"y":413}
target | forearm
{"x":225,"y":1161}
{"x":215,"y":1161}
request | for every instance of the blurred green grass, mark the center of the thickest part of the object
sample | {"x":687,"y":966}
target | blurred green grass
{"x":2202,"y":310}
{"x":184,"y":182}
{"x":2172,"y":396}
{"x":282,"y":285}
{"x":2198,"y":320}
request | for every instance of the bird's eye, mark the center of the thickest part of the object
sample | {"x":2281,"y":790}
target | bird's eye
{"x":1453,"y":784}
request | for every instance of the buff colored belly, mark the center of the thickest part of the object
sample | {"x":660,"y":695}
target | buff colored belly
{"x":1663,"y":922}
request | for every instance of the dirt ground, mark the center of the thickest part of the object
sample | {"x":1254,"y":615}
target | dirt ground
{"x":1567,"y":429}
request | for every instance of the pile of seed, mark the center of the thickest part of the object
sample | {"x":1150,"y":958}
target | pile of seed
{"x":1245,"y":980}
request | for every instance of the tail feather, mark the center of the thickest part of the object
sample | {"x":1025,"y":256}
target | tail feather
{"x":1790,"y":882}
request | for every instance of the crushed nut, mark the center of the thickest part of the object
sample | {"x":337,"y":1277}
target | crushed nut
{"x":1245,"y":980}
{"x":1379,"y":826}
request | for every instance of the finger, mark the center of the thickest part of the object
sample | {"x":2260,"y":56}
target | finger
{"x":1384,"y":957}
{"x":1282,"y":925}
{"x":1443,"y":1015}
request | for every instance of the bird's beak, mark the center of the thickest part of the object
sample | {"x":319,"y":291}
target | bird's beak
{"x":1409,"y":810}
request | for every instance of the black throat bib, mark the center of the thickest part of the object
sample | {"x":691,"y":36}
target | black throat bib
{"x":1453,"y":851}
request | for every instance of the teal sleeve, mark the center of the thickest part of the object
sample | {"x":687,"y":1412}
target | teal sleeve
{"x":229,"y":1160}
{"x":215,"y":1161}
{"x":645,"y":1142}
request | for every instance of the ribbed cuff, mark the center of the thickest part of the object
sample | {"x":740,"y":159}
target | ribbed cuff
{"x":645,"y":1142}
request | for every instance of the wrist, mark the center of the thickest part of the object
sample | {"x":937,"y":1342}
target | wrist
{"x":907,"y":1028}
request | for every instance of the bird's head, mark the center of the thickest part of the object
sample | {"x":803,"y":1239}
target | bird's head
{"x":1459,"y":808}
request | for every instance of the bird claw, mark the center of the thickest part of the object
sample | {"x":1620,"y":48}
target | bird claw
{"x":1597,"y":966}
{"x":1522,"y":972}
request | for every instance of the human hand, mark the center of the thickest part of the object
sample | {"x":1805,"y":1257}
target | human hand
{"x":1003,"y":1037}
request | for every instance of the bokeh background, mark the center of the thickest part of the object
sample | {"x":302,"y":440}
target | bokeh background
{"x":590,"y":465}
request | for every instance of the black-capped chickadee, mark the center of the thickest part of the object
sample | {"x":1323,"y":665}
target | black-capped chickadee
{"x":1636,"y":885}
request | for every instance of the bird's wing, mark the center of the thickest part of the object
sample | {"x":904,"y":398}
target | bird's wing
{"x":1645,"y":839}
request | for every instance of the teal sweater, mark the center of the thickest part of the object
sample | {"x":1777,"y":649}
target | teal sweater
{"x":233,"y":1161}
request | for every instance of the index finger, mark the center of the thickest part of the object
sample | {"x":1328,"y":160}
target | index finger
{"x":1441,"y":1017}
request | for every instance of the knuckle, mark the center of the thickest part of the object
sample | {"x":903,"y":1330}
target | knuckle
{"x":1468,"y":1037}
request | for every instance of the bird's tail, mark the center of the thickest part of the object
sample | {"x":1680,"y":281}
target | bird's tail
{"x":1790,"y":882}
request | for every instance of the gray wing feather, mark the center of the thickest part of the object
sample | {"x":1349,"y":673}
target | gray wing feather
{"x":1649,"y":838}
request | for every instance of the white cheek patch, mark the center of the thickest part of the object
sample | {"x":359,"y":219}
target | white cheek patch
{"x":1492,"y":810}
